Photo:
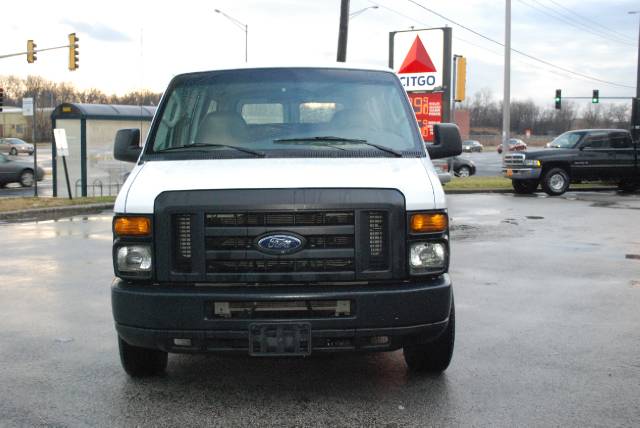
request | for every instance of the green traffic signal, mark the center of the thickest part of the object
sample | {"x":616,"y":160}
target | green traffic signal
{"x":595,"y":98}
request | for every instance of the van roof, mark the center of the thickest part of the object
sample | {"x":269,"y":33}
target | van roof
{"x":256,"y":66}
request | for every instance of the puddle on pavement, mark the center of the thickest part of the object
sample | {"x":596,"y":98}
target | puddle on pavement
{"x":633,"y":256}
{"x":535,"y":217}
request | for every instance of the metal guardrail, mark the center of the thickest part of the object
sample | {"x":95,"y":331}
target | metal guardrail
{"x":98,"y":188}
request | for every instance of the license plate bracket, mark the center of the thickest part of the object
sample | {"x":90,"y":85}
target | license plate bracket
{"x":279,"y":339}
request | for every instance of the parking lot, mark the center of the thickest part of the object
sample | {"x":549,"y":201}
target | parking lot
{"x":547,"y":293}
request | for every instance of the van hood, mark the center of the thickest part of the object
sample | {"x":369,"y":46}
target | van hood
{"x":414,"y":177}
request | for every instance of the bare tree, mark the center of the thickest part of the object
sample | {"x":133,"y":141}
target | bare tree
{"x":592,"y":116}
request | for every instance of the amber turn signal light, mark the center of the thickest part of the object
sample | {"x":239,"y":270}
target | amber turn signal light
{"x":132,"y":226}
{"x":429,"y":222}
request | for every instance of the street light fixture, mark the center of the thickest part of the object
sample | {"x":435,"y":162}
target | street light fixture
{"x":361,"y":11}
{"x":242,"y":26}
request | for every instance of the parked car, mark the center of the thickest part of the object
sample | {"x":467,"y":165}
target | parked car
{"x":14,"y":146}
{"x":17,"y":171}
{"x":462,"y":167}
{"x":515,"y":145}
{"x":472,"y":146}
{"x":608,"y":155}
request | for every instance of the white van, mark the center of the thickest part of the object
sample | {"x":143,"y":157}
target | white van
{"x":282,"y":211}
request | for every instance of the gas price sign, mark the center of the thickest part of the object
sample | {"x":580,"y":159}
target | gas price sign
{"x":428,"y":109}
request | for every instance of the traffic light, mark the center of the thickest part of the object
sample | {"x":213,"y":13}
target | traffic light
{"x":73,"y":52}
{"x":558,"y":99}
{"x":31,"y":52}
{"x":461,"y":79}
{"x":1,"y":99}
{"x":595,"y":98}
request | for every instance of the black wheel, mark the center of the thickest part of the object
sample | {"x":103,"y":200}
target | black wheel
{"x":433,"y":357}
{"x":629,"y":186}
{"x":26,"y":178}
{"x":13,"y":152}
{"x":555,"y":181}
{"x":524,"y":187}
{"x":141,"y":362}
{"x":464,"y":171}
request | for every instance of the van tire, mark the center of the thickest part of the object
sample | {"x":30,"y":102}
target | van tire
{"x":555,"y":181}
{"x":142,"y":362}
{"x":433,"y":357}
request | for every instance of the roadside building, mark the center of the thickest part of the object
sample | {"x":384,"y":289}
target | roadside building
{"x":14,"y":124}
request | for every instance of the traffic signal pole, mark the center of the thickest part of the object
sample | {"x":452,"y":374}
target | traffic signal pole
{"x":35,"y":50}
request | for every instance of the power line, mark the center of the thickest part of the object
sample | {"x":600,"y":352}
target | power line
{"x":572,"y":22}
{"x":595,"y":79}
{"x":498,"y":54}
{"x":591,"y":21}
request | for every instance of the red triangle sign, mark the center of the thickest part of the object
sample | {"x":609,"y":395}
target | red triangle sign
{"x":417,"y":60}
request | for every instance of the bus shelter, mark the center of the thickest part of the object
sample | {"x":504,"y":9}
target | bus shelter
{"x":91,"y":131}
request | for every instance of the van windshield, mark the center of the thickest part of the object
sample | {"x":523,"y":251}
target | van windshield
{"x":286,"y":111}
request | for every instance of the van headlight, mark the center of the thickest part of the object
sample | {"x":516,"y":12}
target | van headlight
{"x":427,"y":257}
{"x":134,"y":259}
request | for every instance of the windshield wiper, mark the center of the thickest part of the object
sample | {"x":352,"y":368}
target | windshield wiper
{"x":229,"y":146}
{"x":337,"y":140}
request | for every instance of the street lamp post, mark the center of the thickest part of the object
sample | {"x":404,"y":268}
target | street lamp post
{"x":506,"y":105}
{"x":243,"y":27}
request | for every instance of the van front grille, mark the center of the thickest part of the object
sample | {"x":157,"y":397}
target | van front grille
{"x":211,"y":236}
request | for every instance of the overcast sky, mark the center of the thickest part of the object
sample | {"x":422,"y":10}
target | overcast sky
{"x":126,"y":45}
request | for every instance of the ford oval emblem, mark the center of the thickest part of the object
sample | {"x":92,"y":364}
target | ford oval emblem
{"x":280,"y":243}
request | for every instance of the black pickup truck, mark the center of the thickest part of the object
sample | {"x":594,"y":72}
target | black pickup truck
{"x":608,"y":155}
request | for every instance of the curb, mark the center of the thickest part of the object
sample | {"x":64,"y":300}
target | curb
{"x":50,"y":213}
{"x":472,"y":191}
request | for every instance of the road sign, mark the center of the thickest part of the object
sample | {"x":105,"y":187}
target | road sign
{"x":60,"y":136}
{"x":418,"y":58}
{"x":27,"y":106}
{"x":428,"y":109}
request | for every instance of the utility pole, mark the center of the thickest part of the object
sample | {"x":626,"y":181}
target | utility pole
{"x":506,"y":102}
{"x":343,"y":31}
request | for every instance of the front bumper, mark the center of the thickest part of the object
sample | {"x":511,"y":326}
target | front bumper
{"x":405,"y":313}
{"x":522,"y":173}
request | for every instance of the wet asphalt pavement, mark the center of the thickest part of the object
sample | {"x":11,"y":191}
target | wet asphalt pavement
{"x":547,"y":298}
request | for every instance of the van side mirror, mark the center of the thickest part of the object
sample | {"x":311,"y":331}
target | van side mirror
{"x":446,"y":142}
{"x":127,"y":145}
